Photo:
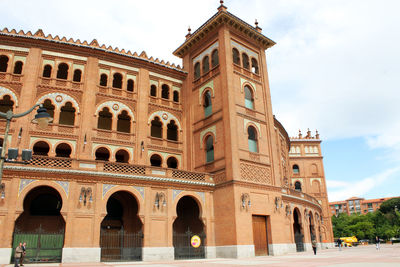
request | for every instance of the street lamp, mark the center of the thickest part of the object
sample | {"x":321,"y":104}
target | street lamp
{"x":42,"y":118}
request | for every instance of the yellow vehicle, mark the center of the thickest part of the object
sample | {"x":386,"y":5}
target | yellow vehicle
{"x":349,"y":241}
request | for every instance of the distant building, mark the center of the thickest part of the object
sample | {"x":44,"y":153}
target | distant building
{"x":356,"y":205}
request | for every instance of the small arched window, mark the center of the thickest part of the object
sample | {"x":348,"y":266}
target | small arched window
{"x":176,"y":96}
{"x":252,"y":139}
{"x":62,"y":72}
{"x":236,"y":56}
{"x":197,"y":70}
{"x":6,"y":104}
{"x":77,"y":76}
{"x":102,"y":153}
{"x":105,"y":119}
{"x":172,"y":163}
{"x":165,"y":91}
{"x":254,"y":65}
{"x":172,"y":131}
{"x":129,"y":85}
{"x":67,"y":114}
{"x":153,"y":90}
{"x":103,"y":79}
{"x":248,"y":97}
{"x":41,"y":148}
{"x":214,"y":58}
{"x":209,"y":149}
{"x":122,"y":156}
{"x":47,"y":71}
{"x":156,"y":160}
{"x":3,"y":63}
{"x":63,"y":150}
{"x":206,"y":64}
{"x":124,"y":122}
{"x":117,"y":80}
{"x":245,"y":59}
{"x":207,"y":104}
{"x":18,"y":67}
{"x":156,"y":128}
{"x":296,"y":168}
{"x":297,"y":186}
{"x":48,"y":105}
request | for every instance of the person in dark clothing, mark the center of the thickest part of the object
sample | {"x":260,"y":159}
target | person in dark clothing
{"x":339,"y":242}
{"x":21,"y":261}
{"x":314,"y":246}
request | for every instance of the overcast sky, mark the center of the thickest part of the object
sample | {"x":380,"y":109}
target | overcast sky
{"x":335,"y":67}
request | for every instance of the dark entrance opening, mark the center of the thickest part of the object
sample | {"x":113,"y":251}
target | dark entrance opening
{"x":121,"y":236}
{"x":41,"y":226}
{"x":187,"y":225}
{"x":297,"y":229}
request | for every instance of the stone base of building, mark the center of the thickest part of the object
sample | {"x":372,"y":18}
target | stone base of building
{"x":5,"y":255}
{"x":281,"y":249}
{"x":81,"y":255}
{"x":211,"y":252}
{"x":327,"y":245}
{"x":239,"y":251}
{"x":157,"y":253}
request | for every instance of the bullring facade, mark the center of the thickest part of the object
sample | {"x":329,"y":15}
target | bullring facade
{"x":142,"y":155}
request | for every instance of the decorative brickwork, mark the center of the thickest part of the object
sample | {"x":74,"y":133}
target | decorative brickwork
{"x":254,"y":173}
{"x":188,"y":175}
{"x":51,"y":162}
{"x":219,"y":177}
{"x":124,"y":168}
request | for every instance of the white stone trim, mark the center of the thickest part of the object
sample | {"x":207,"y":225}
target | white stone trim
{"x":19,"y":58}
{"x":242,"y":49}
{"x":253,"y":86}
{"x":281,"y":249}
{"x":81,"y":255}
{"x":165,"y":77}
{"x":237,"y":251}
{"x":50,"y":53}
{"x":210,"y":85}
{"x":64,"y":98}
{"x":212,"y":129}
{"x":165,"y":118}
{"x":158,"y":253}
{"x":247,"y":123}
{"x":5,"y":255}
{"x":114,"y":109}
{"x":208,"y":51}
{"x":14,"y":48}
{"x":6,"y":91}
{"x":120,"y":66}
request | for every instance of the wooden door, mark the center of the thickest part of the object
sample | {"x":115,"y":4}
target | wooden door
{"x":260,"y":235}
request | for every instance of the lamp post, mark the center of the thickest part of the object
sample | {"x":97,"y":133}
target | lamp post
{"x":42,"y":118}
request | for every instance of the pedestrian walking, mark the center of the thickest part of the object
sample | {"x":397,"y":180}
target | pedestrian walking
{"x":377,"y":243}
{"x":339,"y":243}
{"x":314,"y":246}
{"x":21,"y":261}
{"x":17,"y":255}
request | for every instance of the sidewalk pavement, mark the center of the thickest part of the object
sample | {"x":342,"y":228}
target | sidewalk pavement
{"x":361,"y":256}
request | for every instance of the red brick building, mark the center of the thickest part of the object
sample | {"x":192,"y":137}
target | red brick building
{"x":356,"y":205}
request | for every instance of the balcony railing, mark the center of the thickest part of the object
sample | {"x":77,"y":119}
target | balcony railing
{"x":10,"y":77}
{"x":302,"y":195}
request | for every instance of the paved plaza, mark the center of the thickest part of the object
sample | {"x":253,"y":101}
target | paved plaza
{"x":362,"y":256}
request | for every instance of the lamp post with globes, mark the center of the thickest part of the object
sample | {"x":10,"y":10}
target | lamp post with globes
{"x":42,"y":118}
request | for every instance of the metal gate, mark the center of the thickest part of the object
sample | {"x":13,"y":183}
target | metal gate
{"x":183,"y":248}
{"x":41,"y":246}
{"x":298,"y":238}
{"x":119,"y":246}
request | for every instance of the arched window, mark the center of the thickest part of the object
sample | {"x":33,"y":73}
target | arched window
{"x":297,"y":186}
{"x":156,"y":128}
{"x":105,"y":119}
{"x":103,"y":79}
{"x":315,"y":187}
{"x":124,"y":122}
{"x":47,"y":71}
{"x":102,"y":153}
{"x":122,"y":156}
{"x":48,"y":105}
{"x":3,"y":63}
{"x":206,"y":64}
{"x":153,"y":90}
{"x":156,"y":160}
{"x":62,"y":72}
{"x":248,"y":97}
{"x":18,"y":67}
{"x":209,"y":149}
{"x":296,"y":168}
{"x":172,"y":163}
{"x":172,"y":131}
{"x":77,"y":75}
{"x":6,"y":104}
{"x":117,"y":80}
{"x":245,"y":59}
{"x":197,"y":70}
{"x":214,"y":58}
{"x":314,"y":169}
{"x":67,"y":114}
{"x":176,"y":96}
{"x":129,"y":85}
{"x":63,"y":150}
{"x":207,"y":104}
{"x":236,"y":56}
{"x":165,"y":91}
{"x":254,"y":65}
{"x":252,"y":139}
{"x":41,"y":148}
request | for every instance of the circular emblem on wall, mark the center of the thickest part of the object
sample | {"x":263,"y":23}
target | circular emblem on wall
{"x":59,"y":98}
{"x":115,"y":107}
{"x":165,"y":116}
{"x":195,"y":241}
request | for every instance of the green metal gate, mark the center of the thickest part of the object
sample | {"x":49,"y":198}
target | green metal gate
{"x":183,"y":248}
{"x":41,"y":246}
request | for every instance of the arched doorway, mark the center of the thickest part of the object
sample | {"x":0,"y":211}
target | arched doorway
{"x":41,"y":226}
{"x":187,"y":225}
{"x":121,"y":237}
{"x":298,"y":231}
{"x":312,"y":227}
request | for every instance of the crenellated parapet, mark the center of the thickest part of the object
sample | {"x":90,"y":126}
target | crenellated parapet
{"x":308,"y":136}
